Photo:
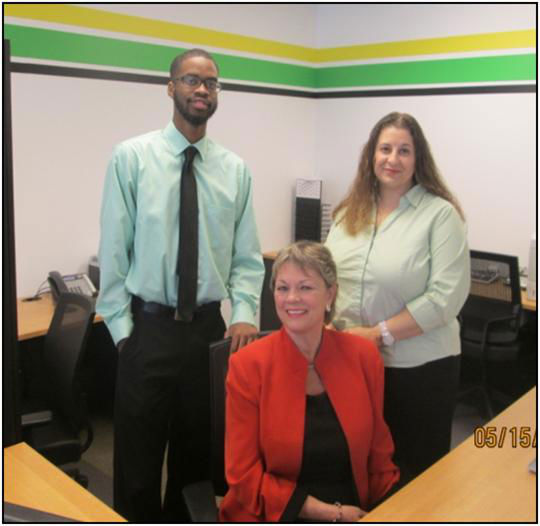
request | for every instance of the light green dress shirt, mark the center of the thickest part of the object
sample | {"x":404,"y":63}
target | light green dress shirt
{"x":417,"y":258}
{"x":140,"y":228}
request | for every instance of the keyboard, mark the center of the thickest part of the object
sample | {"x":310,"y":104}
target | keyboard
{"x":484,"y":276}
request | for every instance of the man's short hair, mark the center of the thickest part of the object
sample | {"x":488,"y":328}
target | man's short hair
{"x":176,"y":64}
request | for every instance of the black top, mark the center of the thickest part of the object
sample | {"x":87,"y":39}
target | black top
{"x":326,"y":471}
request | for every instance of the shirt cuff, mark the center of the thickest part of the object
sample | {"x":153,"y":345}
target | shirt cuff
{"x":242,"y":313}
{"x":427,"y":314}
{"x":120,"y":328}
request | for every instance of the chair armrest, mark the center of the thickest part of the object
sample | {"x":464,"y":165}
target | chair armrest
{"x":200,"y":501}
{"x":33,"y":419}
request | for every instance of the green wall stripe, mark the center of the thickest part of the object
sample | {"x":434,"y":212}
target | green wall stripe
{"x":255,"y":70}
{"x":73,"y":47}
{"x":476,"y":69}
{"x":86,"y":49}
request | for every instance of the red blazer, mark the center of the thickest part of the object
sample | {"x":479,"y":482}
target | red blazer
{"x":265,"y":412}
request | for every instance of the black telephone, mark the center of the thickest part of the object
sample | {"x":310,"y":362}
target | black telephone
{"x":77,"y":283}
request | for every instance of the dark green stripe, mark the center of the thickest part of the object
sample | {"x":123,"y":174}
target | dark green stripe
{"x":86,"y":49}
{"x":63,"y":46}
{"x":481,"y":69}
{"x":40,"y":69}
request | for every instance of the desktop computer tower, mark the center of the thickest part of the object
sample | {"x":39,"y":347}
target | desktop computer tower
{"x":308,"y":210}
{"x":93,"y":271}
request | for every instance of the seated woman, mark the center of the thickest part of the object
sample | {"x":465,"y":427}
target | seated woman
{"x":305,"y":434}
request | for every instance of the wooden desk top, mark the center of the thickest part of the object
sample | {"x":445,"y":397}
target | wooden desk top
{"x":31,"y":480}
{"x":270,"y":255}
{"x":34,"y":317}
{"x":474,"y":484}
{"x":526,"y":303}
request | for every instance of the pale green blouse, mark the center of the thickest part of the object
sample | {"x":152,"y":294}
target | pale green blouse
{"x":417,"y":258}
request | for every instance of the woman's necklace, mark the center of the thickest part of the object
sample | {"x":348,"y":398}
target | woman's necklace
{"x":311,"y":365}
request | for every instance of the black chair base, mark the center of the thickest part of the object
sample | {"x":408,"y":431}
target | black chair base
{"x":200,"y":501}
{"x":77,"y":476}
{"x":490,"y":402}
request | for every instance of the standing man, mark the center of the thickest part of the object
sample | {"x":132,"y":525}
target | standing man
{"x":163,"y":276}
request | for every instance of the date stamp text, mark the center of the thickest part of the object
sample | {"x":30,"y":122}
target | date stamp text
{"x":492,"y":436}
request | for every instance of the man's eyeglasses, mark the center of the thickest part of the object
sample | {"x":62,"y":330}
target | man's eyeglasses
{"x":193,"y":82}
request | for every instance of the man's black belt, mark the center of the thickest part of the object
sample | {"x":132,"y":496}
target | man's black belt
{"x":164,"y":311}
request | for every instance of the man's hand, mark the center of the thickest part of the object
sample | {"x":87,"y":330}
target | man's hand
{"x":241,"y":334}
{"x":121,"y":343}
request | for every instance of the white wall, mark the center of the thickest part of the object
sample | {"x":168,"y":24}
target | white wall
{"x":353,"y":24}
{"x":484,"y":146}
{"x":63,"y":133}
{"x":276,"y":137}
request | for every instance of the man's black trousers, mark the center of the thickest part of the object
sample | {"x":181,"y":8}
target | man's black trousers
{"x":162,"y":397}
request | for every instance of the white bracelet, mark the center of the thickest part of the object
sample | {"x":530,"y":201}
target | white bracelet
{"x":340,"y":512}
{"x":386,"y":335}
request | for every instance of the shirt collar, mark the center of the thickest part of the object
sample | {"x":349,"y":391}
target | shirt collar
{"x":414,"y":195}
{"x":179,"y":143}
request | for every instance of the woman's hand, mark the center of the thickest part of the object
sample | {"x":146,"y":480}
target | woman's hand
{"x":351,"y":513}
{"x":318,"y":510}
{"x":369,"y":333}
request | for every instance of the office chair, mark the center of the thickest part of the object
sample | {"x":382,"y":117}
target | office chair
{"x":200,"y":497}
{"x":54,"y":430}
{"x":490,"y":318}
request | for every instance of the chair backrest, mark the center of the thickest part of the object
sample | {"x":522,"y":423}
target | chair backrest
{"x":495,"y":286}
{"x":65,"y":346}
{"x":219,"y":365}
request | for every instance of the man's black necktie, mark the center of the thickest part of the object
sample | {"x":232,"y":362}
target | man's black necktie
{"x":188,"y":248}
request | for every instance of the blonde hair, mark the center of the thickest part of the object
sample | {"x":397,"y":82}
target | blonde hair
{"x":356,"y":209}
{"x":313,"y":256}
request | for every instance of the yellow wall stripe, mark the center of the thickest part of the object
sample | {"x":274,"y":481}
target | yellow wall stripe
{"x":432,"y":46}
{"x":135,"y":25}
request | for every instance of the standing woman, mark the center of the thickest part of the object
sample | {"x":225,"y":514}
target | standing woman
{"x":400,"y":246}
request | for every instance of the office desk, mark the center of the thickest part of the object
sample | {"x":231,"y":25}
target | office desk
{"x":473,"y":484}
{"x":526,"y":303}
{"x":31,"y":480}
{"x":34,"y":317}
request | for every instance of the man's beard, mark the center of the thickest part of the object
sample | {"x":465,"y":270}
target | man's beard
{"x":194,"y":119}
